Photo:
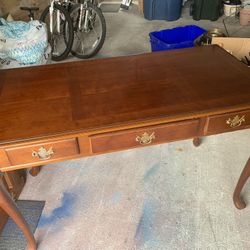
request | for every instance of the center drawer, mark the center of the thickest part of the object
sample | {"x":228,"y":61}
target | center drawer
{"x":43,"y":152}
{"x":144,"y":136}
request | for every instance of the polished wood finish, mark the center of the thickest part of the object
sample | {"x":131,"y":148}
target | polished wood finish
{"x":61,"y":149}
{"x":97,"y":106}
{"x":9,"y":206}
{"x":238,"y":201}
{"x":54,"y":102}
{"x":221,"y":123}
{"x":124,"y":92}
{"x":127,"y":139}
{"x":84,"y":145}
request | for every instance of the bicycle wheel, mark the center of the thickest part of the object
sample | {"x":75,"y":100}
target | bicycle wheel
{"x":90,"y":36}
{"x":57,"y":38}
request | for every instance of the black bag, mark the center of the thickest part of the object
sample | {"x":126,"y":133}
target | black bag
{"x":206,"y":9}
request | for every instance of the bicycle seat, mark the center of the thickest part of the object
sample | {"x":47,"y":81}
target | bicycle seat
{"x":29,"y":8}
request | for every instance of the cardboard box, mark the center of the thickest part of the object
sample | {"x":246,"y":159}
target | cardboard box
{"x":238,"y":47}
{"x":141,"y":6}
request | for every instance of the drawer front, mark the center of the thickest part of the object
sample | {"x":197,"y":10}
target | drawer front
{"x":228,"y":122}
{"x":144,"y":136}
{"x":43,"y":152}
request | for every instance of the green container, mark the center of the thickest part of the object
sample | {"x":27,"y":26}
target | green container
{"x":206,"y":9}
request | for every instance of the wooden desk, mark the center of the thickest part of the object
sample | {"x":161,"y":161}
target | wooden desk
{"x":63,"y":111}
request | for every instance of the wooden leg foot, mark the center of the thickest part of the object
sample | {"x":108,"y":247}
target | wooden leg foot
{"x":238,"y":202}
{"x":197,"y":141}
{"x":35,"y":171}
{"x":8,"y":205}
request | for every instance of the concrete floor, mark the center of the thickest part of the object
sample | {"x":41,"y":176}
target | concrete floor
{"x":128,"y":31}
{"x":165,"y":197}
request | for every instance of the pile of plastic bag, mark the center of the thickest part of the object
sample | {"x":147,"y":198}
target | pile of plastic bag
{"x":23,"y":43}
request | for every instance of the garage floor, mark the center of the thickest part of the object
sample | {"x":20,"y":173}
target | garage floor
{"x":165,"y":197}
{"x":128,"y":31}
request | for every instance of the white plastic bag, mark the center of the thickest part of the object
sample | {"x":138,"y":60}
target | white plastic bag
{"x":10,"y":63}
{"x":23,"y":42}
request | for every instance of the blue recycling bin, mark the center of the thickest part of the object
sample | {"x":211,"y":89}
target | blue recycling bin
{"x":175,"y":38}
{"x":169,"y":10}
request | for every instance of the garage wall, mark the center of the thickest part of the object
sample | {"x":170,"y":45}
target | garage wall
{"x":7,"y":5}
{"x":12,"y":7}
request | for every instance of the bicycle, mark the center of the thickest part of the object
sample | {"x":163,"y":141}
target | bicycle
{"x":59,"y":23}
{"x":89,"y":27}
{"x":76,"y":26}
{"x":58,"y":19}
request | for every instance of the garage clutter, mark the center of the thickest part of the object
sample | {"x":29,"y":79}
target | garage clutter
{"x":238,"y":47}
{"x":192,"y":35}
{"x":170,"y":10}
{"x":231,"y":7}
{"x":176,"y":38}
{"x":245,"y":16}
{"x":23,"y":43}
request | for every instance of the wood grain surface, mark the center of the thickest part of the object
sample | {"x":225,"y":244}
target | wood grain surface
{"x":96,"y":106}
{"x":50,"y":100}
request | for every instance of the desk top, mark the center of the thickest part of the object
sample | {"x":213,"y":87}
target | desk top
{"x":97,"y":94}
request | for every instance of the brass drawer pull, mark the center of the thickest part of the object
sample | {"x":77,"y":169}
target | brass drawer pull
{"x":236,"y":121}
{"x":43,"y":153}
{"x":145,"y":138}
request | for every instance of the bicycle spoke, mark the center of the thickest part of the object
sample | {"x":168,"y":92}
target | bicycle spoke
{"x":81,"y":42}
{"x":98,"y":37}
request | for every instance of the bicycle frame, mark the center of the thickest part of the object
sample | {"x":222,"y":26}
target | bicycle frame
{"x":82,"y":14}
{"x":51,"y":10}
{"x":83,"y":3}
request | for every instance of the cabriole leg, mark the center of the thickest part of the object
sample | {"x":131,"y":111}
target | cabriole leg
{"x":9,"y":206}
{"x":238,"y":202}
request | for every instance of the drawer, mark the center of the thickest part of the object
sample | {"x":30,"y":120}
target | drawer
{"x":228,"y":122}
{"x":43,"y":152}
{"x":144,"y":136}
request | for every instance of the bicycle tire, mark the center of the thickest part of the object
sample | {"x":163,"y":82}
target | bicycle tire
{"x":98,"y":12}
{"x":70,"y":35}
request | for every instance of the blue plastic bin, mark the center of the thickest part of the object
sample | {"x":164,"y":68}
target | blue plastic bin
{"x":176,"y":38}
{"x":169,"y":10}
